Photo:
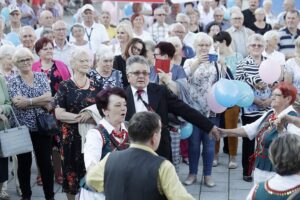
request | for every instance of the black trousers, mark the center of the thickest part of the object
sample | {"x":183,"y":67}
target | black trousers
{"x":3,"y":170}
{"x":42,"y":148}
{"x":247,"y":147}
{"x":164,"y":148}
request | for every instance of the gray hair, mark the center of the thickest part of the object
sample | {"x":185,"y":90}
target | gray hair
{"x":57,"y":23}
{"x":77,"y":25}
{"x":7,"y":50}
{"x":267,"y":2}
{"x":46,"y":31}
{"x":284,"y":154}
{"x":271,"y":34}
{"x":21,"y":52}
{"x":200,"y":37}
{"x":218,"y":9}
{"x":183,"y":16}
{"x":173,"y":26}
{"x":136,"y":59}
{"x":150,"y":45}
{"x":103,"y":52}
{"x":25,"y":29}
{"x":75,"y":55}
{"x":256,"y":37}
{"x":174,"y":40}
{"x":127,"y":28}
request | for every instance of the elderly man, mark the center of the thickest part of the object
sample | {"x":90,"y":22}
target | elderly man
{"x":121,"y":178}
{"x":178,"y":30}
{"x":14,"y":19}
{"x":219,"y":19}
{"x":239,"y":33}
{"x":289,"y":34}
{"x":206,"y":12}
{"x":62,"y":49}
{"x":46,"y":20}
{"x":51,"y":6}
{"x":159,"y":30}
{"x":105,"y":19}
{"x":287,"y":6}
{"x":27,"y":37}
{"x":28,"y":16}
{"x":143,"y":96}
{"x":95,"y":33}
{"x":249,"y":13}
{"x":189,"y":37}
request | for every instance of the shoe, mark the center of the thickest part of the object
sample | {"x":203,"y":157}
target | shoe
{"x":18,"y":190}
{"x":186,"y":161}
{"x":248,"y":178}
{"x":208,"y":181}
{"x":4,"y":195}
{"x":191,"y":179}
{"x":59,"y":179}
{"x":215,"y":163}
{"x":39,"y":181}
{"x":232,"y":163}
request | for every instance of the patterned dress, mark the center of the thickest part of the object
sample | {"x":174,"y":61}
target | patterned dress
{"x":114,"y":80}
{"x":73,"y":100}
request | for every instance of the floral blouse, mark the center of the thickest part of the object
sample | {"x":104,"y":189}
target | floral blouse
{"x":114,"y":80}
{"x":54,"y":78}
{"x":18,"y":87}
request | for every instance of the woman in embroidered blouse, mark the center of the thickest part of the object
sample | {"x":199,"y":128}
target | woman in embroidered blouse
{"x":247,"y":71}
{"x":202,"y":74}
{"x":30,"y":94}
{"x":284,"y":155}
{"x":56,"y":72}
{"x":72,"y":96}
{"x":265,"y":131}
{"x":7,"y":68}
{"x":135,"y":46}
{"x":104,"y":74}
{"x":110,"y":134}
{"x":5,"y":110}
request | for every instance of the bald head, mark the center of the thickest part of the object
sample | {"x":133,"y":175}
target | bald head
{"x":46,"y":19}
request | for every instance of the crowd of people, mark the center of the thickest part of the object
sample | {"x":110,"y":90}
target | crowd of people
{"x":115,"y":101}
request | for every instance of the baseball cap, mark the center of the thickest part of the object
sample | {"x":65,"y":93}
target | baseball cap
{"x":87,"y":7}
{"x":13,"y":8}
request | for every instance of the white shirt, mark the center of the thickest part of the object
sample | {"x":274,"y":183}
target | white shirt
{"x":205,"y":18}
{"x":94,"y":143}
{"x":251,"y":129}
{"x":139,"y":106}
{"x":95,"y":35}
{"x":276,"y":56}
{"x":189,"y":39}
{"x":63,"y":54}
{"x":38,"y":32}
{"x":145,"y":36}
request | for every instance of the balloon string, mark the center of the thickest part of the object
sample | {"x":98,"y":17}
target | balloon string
{"x":226,"y":71}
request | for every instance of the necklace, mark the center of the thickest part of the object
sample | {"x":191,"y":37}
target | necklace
{"x":80,"y":87}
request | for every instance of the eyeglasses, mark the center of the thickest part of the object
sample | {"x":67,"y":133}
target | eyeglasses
{"x":179,"y":32}
{"x":218,"y":15}
{"x":134,"y":48}
{"x":256,"y":45}
{"x":137,"y":73}
{"x":182,"y":22}
{"x":26,"y":60}
{"x":14,"y":14}
{"x":60,"y":29}
{"x":160,"y":15}
{"x":237,"y":18}
{"x":84,"y":60}
{"x":203,"y":45}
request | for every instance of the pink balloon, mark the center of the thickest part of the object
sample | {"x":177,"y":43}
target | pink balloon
{"x":212,"y":102}
{"x":107,"y":6}
{"x":269,"y":71}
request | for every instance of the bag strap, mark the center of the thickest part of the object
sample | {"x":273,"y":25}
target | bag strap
{"x":15,"y":118}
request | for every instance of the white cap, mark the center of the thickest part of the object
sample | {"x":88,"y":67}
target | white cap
{"x":13,"y":8}
{"x":87,"y":7}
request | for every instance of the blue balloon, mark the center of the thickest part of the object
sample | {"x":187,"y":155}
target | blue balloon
{"x":5,"y":14}
{"x":13,"y":38}
{"x":230,"y":3}
{"x":246,"y":94}
{"x":226,"y":92}
{"x":128,"y":10}
{"x":186,"y":131}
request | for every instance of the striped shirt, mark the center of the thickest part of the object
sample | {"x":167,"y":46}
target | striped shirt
{"x":287,"y":41}
{"x":247,"y":71}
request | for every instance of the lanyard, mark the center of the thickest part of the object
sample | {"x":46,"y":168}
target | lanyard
{"x":89,"y":36}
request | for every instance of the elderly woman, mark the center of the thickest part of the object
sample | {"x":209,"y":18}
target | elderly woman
{"x":260,"y":26}
{"x":124,"y":35}
{"x":78,"y":32}
{"x":231,"y":115}
{"x":195,"y":26}
{"x":138,"y":23}
{"x":265,"y":131}
{"x":5,"y":110}
{"x":30,"y":93}
{"x":103,"y":74}
{"x":110,"y":133}
{"x":135,"y":46}
{"x":247,"y":71}
{"x":56,"y":72}
{"x":292,"y":73}
{"x":72,"y":96}
{"x":270,"y":52}
{"x":7,"y":68}
{"x":177,"y":59}
{"x":284,"y":155}
{"x":202,"y":74}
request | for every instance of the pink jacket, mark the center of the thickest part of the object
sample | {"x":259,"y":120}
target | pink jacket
{"x":62,"y":68}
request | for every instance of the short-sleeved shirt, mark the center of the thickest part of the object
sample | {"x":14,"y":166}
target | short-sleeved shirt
{"x":114,"y":80}
{"x":18,"y":87}
{"x":287,"y":41}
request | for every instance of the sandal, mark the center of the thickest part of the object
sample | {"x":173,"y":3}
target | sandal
{"x":39,"y":181}
{"x":59,"y":179}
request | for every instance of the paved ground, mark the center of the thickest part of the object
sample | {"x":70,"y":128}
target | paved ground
{"x":230,"y":185}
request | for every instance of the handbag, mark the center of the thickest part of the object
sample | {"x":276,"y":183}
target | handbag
{"x":15,"y":141}
{"x":46,"y":123}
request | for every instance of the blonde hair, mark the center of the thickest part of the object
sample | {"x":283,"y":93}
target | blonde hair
{"x":200,"y":37}
{"x":259,"y":10}
{"x":7,"y":50}
{"x":256,"y":37}
{"x":127,"y":29}
{"x":103,"y":52}
{"x":75,"y":55}
{"x":21,"y":52}
{"x":174,"y":40}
